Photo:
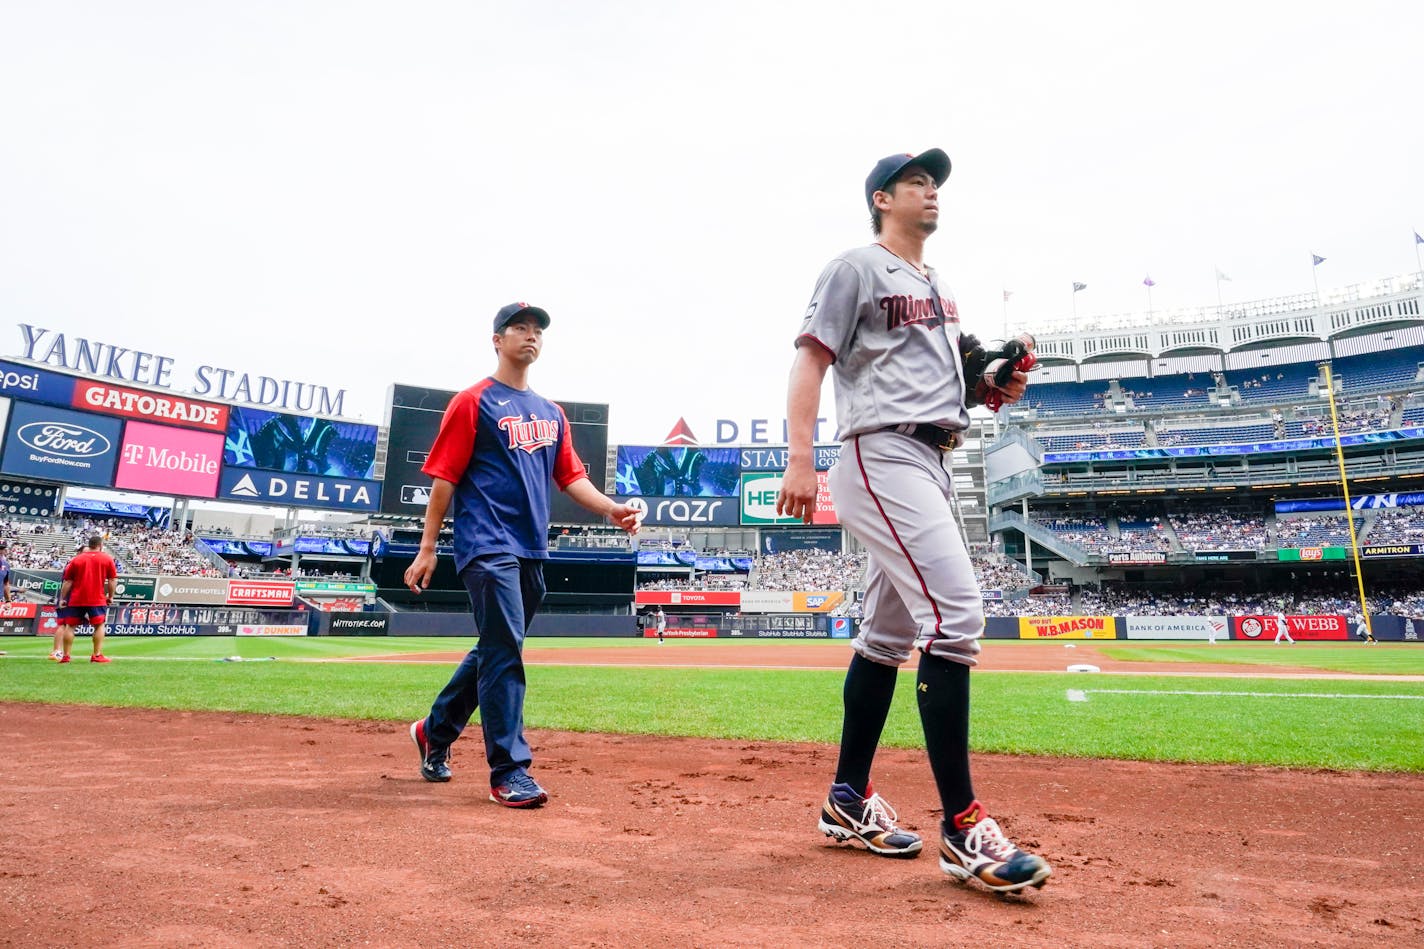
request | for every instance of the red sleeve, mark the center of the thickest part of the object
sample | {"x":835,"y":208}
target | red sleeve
{"x":455,"y":444}
{"x":808,"y":338}
{"x":111,"y":570}
{"x":568,"y":467}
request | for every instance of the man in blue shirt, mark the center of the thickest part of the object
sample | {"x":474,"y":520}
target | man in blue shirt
{"x":499,"y":445}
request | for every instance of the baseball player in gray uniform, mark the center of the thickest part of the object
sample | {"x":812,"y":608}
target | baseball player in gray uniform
{"x":880,"y":318}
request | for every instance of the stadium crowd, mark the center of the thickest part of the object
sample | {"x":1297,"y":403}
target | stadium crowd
{"x":1222,"y":531}
{"x":808,"y":570}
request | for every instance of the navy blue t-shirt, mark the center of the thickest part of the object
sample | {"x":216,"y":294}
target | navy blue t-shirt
{"x":500,"y":447}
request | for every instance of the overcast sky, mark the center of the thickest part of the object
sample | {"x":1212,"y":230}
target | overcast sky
{"x":344,"y":193}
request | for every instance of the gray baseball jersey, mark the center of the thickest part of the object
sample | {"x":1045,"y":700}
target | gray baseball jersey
{"x":896,"y":353}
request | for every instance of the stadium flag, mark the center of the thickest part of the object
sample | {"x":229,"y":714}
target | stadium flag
{"x":1316,"y":260}
{"x":1417,"y":238}
{"x":1148,"y":282}
{"x":1079,"y":286}
{"x":1222,"y":276}
{"x":1007,"y":294}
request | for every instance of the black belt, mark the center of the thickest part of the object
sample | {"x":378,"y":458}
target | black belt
{"x":932,"y":435}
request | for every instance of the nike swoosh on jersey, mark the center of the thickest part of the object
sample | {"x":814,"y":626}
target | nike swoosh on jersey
{"x":505,"y":402}
{"x":891,"y":268}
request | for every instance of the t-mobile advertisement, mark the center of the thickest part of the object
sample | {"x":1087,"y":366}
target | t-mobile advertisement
{"x":169,"y":460}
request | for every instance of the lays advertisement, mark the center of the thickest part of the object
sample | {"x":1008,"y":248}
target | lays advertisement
{"x":1067,"y":627}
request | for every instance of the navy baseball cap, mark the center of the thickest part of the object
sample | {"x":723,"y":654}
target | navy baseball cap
{"x":508,"y":314}
{"x":887,"y":169}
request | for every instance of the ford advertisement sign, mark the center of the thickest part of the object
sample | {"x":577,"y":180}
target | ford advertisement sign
{"x":60,"y":445}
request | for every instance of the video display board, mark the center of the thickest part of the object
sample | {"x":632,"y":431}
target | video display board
{"x":57,"y":444}
{"x":295,"y":444}
{"x":167,"y":460}
{"x":684,"y":471}
{"x":94,"y":396}
{"x":414,"y":418}
{"x":297,"y":461}
{"x":35,"y":385}
{"x":31,"y":500}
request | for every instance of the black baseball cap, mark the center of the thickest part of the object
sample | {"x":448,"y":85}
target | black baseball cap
{"x":887,"y":169}
{"x":508,"y":314}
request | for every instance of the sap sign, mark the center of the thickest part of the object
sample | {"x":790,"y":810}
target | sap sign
{"x":35,"y":385}
{"x":666,"y":512}
{"x":60,"y":445}
{"x":294,"y":490}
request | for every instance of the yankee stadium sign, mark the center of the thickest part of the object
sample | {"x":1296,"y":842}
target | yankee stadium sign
{"x":132,"y":365}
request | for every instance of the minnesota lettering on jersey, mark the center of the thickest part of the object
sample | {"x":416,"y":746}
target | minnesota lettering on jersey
{"x":531,"y":435}
{"x":905,"y":310}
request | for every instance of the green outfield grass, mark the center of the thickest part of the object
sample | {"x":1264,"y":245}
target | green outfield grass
{"x":1296,"y":723}
{"x":1393,"y":658}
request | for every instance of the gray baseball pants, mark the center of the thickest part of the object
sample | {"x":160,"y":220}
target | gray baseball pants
{"x":893,"y":494}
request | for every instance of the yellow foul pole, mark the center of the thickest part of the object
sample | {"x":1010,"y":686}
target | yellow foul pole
{"x":1349,"y":511}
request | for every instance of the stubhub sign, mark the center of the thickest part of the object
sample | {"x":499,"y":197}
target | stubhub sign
{"x":297,"y":490}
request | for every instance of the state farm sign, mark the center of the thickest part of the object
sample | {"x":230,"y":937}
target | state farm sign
{"x":260,"y":592}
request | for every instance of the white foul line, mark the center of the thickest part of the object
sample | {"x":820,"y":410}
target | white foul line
{"x":1081,"y":695}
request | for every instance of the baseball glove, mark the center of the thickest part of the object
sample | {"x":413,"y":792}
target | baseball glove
{"x":987,"y":371}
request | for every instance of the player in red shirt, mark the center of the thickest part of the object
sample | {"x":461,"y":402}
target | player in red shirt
{"x":85,"y":595}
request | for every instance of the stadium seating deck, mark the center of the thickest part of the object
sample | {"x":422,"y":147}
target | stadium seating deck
{"x":1382,"y":370}
{"x":1217,"y":434}
{"x":1273,"y":384}
{"x":1064,"y":398}
{"x":1088,"y":440}
{"x":1170,"y":392}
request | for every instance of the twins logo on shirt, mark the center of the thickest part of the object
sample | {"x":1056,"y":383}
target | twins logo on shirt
{"x":531,"y":435}
{"x":904,"y":310}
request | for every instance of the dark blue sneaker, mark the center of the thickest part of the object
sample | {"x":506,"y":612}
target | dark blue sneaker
{"x":519,"y":790}
{"x":971,"y":846}
{"x":434,"y":759}
{"x":847,"y":816}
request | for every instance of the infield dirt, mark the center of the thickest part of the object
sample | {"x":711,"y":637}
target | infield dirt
{"x":148,"y":828}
